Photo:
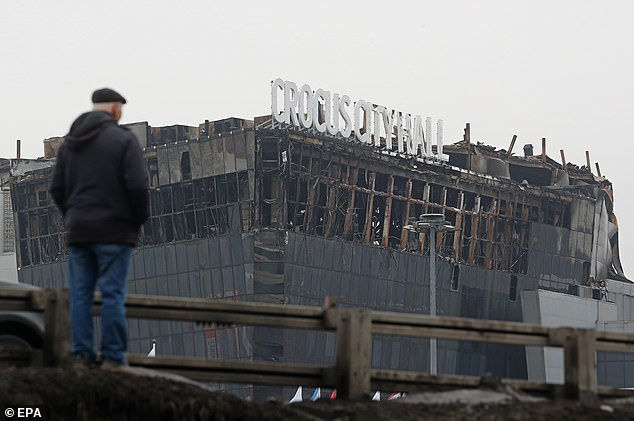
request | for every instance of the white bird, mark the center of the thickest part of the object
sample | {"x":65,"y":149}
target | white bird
{"x":297,"y":397}
{"x":152,"y":352}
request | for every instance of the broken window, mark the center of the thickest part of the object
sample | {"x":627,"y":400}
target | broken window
{"x":455,"y":277}
{"x":186,"y":171}
{"x":42,"y":198}
{"x":188,"y":196}
{"x":586,"y":273}
{"x":153,"y":172}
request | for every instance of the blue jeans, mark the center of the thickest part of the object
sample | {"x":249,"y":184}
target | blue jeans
{"x":105,"y":265}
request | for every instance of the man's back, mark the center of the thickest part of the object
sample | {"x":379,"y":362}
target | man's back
{"x":100,"y":182}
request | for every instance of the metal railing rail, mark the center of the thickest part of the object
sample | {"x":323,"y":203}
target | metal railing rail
{"x":352,"y":374}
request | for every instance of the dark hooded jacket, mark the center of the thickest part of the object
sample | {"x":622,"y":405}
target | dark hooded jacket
{"x":100,"y":183}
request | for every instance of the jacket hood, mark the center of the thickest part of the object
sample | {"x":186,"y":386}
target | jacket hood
{"x":87,"y":126}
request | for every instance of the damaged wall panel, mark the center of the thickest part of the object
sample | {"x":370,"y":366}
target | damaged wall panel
{"x":330,"y":193}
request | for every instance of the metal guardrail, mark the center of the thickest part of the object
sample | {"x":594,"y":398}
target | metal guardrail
{"x":352,"y":374}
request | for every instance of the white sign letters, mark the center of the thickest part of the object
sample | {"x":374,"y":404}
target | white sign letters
{"x":336,"y":115}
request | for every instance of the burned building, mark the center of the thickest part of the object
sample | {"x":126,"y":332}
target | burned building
{"x":268,"y":211}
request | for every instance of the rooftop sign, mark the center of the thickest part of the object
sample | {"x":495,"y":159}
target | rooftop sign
{"x":337,"y":115}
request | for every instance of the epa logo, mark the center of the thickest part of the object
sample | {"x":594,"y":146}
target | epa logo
{"x":23,"y":413}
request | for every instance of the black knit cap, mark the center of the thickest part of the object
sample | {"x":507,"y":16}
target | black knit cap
{"x":107,"y":95}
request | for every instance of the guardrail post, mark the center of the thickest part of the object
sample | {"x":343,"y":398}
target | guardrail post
{"x":56,"y":327}
{"x":354,"y":352}
{"x":580,"y":365}
{"x":331,"y":313}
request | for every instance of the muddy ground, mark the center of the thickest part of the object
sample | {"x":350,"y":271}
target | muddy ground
{"x":101,"y":394}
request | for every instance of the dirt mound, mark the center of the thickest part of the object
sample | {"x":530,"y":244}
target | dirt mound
{"x":99,"y":394}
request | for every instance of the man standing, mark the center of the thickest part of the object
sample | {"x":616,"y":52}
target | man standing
{"x":100,"y":185}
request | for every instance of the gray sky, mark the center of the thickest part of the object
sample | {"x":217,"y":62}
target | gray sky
{"x":562,"y":70}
